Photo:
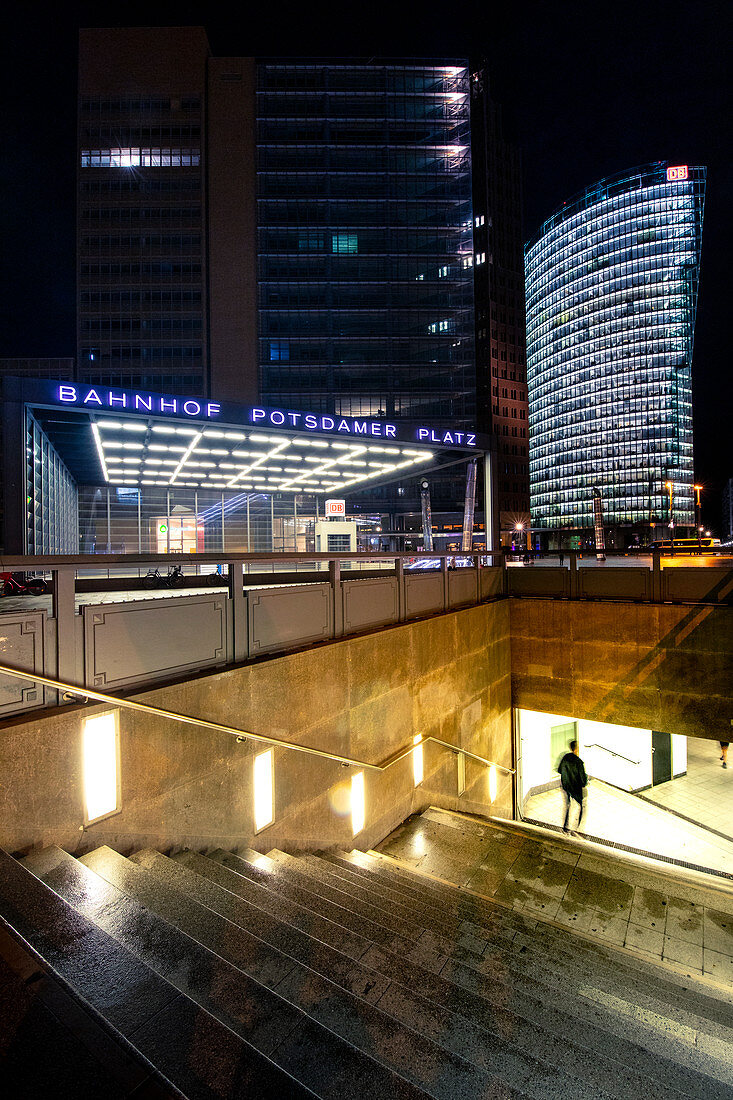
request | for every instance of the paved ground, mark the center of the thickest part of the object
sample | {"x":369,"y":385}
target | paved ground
{"x":706,"y":793}
{"x":626,"y":819}
{"x":578,"y":885}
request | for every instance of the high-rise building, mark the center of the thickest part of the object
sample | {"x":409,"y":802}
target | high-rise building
{"x":364,"y":238}
{"x":166,"y":261}
{"x":498,"y":269}
{"x":611,"y":284}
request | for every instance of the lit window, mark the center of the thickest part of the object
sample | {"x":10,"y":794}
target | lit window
{"x":358,"y":803}
{"x":279,"y":351}
{"x":100,"y":766}
{"x":263,"y":790}
{"x":344,"y":242}
{"x":480,"y":219}
{"x":480,"y":258}
{"x":417,"y":760}
{"x":139,"y":158}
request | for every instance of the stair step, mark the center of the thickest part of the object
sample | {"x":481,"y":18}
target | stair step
{"x":444,"y":1023}
{"x":609,"y":1035}
{"x":478,"y":938}
{"x":533,"y":974}
{"x":390,"y":1042}
{"x":268,"y":1023}
{"x":152,"y":1016}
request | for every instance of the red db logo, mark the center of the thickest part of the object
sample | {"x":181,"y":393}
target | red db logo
{"x":674,"y":175}
{"x":335,"y":507}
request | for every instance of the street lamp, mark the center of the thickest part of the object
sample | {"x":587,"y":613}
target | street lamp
{"x":519,"y":527}
{"x":698,"y":490}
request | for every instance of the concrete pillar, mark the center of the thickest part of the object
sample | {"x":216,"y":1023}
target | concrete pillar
{"x":239,"y":611}
{"x":656,"y":576}
{"x":64,"y":612}
{"x":399,"y":568}
{"x":334,"y":576}
{"x":491,"y":503}
{"x":573,"y":558}
{"x":444,"y":572}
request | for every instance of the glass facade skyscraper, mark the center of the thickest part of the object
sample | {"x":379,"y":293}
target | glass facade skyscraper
{"x":365,"y":238}
{"x":611,"y":283}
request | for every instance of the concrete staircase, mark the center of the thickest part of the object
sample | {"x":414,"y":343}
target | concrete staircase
{"x":340,"y":976}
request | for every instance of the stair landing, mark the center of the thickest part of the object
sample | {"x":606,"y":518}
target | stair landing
{"x":667,"y":918}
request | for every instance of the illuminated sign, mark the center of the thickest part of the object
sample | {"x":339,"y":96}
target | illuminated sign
{"x":681,"y":172}
{"x":98,"y":397}
{"x":335,"y":507}
{"x":359,"y":429}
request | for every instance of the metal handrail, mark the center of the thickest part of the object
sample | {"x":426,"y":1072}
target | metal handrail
{"x":620,"y":755}
{"x":240,"y":735}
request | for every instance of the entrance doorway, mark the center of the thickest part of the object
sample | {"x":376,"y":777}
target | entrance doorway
{"x":661,"y":757}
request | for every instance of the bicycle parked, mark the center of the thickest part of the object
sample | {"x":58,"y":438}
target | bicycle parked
{"x":11,"y":586}
{"x":174,"y":578}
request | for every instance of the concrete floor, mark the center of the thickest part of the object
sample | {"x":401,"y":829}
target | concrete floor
{"x":625,"y":819}
{"x":705,"y":794}
{"x":578,"y":885}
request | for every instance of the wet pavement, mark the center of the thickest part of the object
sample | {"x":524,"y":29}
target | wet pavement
{"x":577,"y":886}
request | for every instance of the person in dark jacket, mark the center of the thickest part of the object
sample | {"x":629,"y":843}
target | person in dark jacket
{"x":573,"y":780}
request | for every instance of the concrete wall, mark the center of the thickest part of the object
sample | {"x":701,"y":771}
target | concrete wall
{"x":364,"y":697}
{"x":653,"y":666}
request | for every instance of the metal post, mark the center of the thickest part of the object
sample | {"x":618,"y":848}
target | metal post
{"x":168,"y":521}
{"x":249,"y":547}
{"x":427,"y":520}
{"x":491,"y":504}
{"x":295,"y":522}
{"x":109,"y":527}
{"x":399,"y":568}
{"x":468,"y":506}
{"x":139,"y":520}
{"x":222,"y":521}
{"x":334,"y":576}
{"x":64,"y":611}
{"x":272,"y":521}
{"x":196,"y":518}
{"x":239,"y":610}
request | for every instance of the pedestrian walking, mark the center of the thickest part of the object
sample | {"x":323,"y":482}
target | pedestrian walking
{"x":573,"y":780}
{"x":724,"y":752}
{"x":562,"y":558}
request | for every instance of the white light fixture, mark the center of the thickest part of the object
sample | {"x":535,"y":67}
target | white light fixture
{"x":492,"y":783}
{"x":461,"y":773}
{"x":100,"y":451}
{"x":262,"y":785}
{"x":417,"y":759}
{"x":358,"y":803}
{"x":100,"y":766}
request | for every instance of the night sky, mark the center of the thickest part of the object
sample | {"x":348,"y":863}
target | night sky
{"x":586,"y":90}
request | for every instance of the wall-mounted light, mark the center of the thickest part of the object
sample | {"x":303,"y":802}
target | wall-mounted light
{"x":492,"y":783}
{"x":263,"y":790}
{"x":358,"y":803}
{"x":417,"y":759}
{"x":100,"y":766}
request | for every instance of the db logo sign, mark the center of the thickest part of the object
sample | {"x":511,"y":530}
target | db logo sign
{"x":335,"y":507}
{"x":674,"y":175}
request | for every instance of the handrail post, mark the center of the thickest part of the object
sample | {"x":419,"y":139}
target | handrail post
{"x":399,"y":568}
{"x":573,"y":558}
{"x":656,"y":576}
{"x":240,"y":648}
{"x":334,"y":576}
{"x":444,"y":572}
{"x":63,"y":604}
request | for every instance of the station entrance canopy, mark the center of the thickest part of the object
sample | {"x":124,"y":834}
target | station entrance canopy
{"x":134,"y":439}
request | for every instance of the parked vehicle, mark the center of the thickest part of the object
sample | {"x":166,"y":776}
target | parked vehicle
{"x":174,"y":578}
{"x":16,"y":584}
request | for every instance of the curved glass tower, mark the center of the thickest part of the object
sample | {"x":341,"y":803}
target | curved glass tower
{"x":611,"y":280}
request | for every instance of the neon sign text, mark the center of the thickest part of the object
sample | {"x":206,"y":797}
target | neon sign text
{"x":100,"y":398}
{"x":312,"y":423}
{"x":681,"y":172}
{"x":462,"y":439}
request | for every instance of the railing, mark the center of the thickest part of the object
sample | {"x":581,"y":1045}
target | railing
{"x":620,"y":755}
{"x":84,"y":694}
{"x":123,"y":636}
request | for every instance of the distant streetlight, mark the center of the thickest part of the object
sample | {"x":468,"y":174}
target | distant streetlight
{"x":698,"y":490}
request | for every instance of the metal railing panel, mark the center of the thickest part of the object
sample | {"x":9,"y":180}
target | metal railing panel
{"x":690,"y":584}
{"x":22,"y":642}
{"x":609,"y":583}
{"x":462,"y":587}
{"x":369,"y":603}
{"x":141,"y":641}
{"x":423,"y":594}
{"x":284,"y":618}
{"x":542,"y":581}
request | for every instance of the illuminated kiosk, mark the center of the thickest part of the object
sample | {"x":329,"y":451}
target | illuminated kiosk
{"x":99,"y":469}
{"x":611,"y":280}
